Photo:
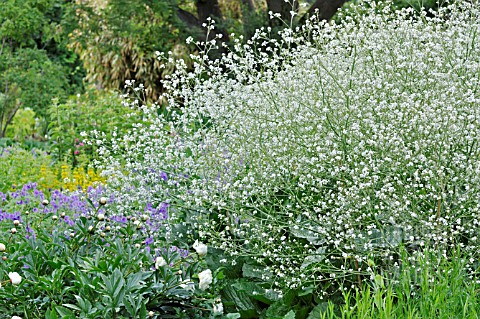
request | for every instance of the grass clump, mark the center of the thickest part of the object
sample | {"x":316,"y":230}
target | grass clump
{"x":427,"y":286}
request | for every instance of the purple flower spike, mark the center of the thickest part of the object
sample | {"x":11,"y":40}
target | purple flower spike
{"x":164,"y":176}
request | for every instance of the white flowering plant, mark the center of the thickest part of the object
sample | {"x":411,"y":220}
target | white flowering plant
{"x":311,"y":155}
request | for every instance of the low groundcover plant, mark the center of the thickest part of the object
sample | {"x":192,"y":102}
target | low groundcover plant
{"x":311,"y":155}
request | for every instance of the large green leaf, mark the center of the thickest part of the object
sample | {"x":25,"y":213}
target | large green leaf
{"x":387,"y":236}
{"x":318,"y":311}
{"x":241,"y":300}
{"x":255,"y":291}
{"x":307,"y":229}
{"x":255,"y":271}
{"x":318,"y":257}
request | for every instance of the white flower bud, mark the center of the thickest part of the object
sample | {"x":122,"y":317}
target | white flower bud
{"x":200,"y":248}
{"x":160,"y":262}
{"x":205,"y":278}
{"x":102,"y":201}
{"x":15,"y":278}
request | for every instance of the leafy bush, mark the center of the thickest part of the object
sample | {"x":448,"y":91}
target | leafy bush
{"x":99,"y":111}
{"x":77,"y":258}
{"x":23,"y":125}
{"x":312,"y":155}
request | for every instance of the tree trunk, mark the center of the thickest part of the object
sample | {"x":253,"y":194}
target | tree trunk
{"x":9,"y":120}
{"x":248,"y":11}
{"x":208,"y":8}
{"x":283,"y":8}
{"x":326,"y":9}
{"x":211,"y":9}
{"x":248,"y":4}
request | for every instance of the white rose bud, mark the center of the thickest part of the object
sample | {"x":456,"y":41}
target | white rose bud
{"x":205,"y":278}
{"x":200,"y":248}
{"x":15,"y":278}
{"x":100,"y":217}
{"x":16,"y":317}
{"x":13,"y":230}
{"x":2,"y":247}
{"x":45,"y":202}
{"x":160,"y":262}
{"x":151,"y":313}
{"x":102,"y":201}
{"x":138,"y":224}
{"x":16,"y":222}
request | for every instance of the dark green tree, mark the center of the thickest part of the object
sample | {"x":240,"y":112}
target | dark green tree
{"x":117,"y":39}
{"x":34,"y":66}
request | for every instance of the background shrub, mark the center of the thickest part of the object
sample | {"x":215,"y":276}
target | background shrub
{"x":94,"y":111}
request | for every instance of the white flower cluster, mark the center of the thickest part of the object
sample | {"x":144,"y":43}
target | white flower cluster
{"x":314,"y":153}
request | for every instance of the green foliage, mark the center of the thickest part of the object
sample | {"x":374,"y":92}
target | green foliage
{"x":37,"y":76}
{"x":31,"y":72}
{"x":117,"y":40}
{"x":424,"y":287}
{"x":76,"y":263}
{"x":419,"y":4}
{"x":23,"y":125}
{"x":98,"y":111}
{"x":24,"y":21}
{"x":19,"y":166}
